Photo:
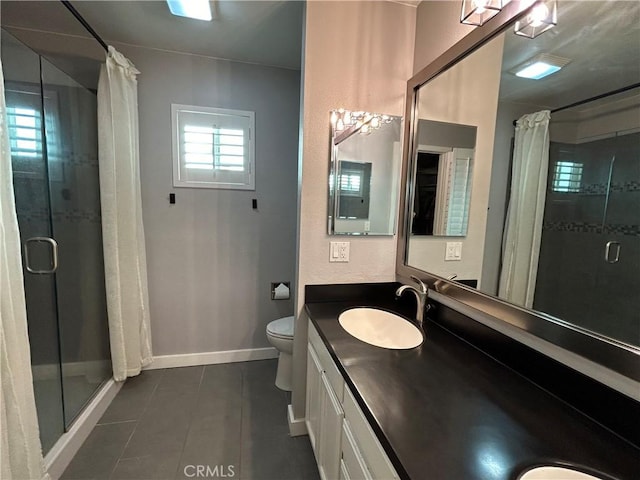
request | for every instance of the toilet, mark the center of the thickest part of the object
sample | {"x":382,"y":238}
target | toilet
{"x":280,"y":335}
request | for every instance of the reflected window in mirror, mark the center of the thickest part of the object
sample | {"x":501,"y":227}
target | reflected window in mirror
{"x":365,"y":170}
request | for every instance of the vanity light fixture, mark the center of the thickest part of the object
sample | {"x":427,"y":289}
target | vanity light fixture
{"x":542,"y":16}
{"x":477,"y":12}
{"x":365,"y":122}
{"x":540,"y":66}
{"x":198,"y":9}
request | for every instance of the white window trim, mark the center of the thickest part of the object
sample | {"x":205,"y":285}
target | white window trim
{"x":175,"y":140}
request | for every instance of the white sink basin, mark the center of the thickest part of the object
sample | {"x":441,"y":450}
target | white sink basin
{"x":556,"y":473}
{"x":380,"y":328}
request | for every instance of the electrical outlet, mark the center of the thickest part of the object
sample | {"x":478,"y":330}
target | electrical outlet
{"x":453,"y":252}
{"x":339,"y":252}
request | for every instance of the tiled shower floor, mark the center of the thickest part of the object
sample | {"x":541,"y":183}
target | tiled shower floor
{"x":174,"y":423}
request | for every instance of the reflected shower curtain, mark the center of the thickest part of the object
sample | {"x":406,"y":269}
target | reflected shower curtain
{"x":123,"y":233}
{"x":523,"y":229}
{"x":20,"y":449}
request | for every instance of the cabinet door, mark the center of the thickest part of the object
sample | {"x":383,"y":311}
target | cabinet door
{"x":314,"y":380}
{"x":331,"y":418}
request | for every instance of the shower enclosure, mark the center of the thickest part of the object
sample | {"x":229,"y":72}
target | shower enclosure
{"x":53,"y":135}
{"x":590,"y":248}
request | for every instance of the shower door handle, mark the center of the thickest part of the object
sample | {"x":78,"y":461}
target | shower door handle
{"x":607,"y":252}
{"x":54,"y":255}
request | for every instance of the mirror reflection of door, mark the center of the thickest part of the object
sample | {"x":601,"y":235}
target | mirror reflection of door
{"x":442,"y":192}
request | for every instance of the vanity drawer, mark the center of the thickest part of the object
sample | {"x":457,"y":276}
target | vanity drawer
{"x":352,"y":460}
{"x":328,"y":365}
{"x":375,"y":459}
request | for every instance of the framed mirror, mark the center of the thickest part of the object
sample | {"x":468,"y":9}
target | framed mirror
{"x":553,"y":230}
{"x":363,"y":177}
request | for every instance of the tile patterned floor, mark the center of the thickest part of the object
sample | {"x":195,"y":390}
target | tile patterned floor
{"x":167,"y":424}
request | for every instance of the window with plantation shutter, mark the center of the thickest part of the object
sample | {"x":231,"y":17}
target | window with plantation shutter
{"x":25,"y":132}
{"x":213,"y":148}
{"x":567,"y":177}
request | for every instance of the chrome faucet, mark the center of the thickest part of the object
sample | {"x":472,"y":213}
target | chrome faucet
{"x":421,"y":293}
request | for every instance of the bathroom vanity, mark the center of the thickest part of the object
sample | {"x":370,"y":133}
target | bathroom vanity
{"x":445,"y":409}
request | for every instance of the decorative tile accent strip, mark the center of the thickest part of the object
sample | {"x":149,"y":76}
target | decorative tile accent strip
{"x":72,"y":215}
{"x":582,"y":227}
{"x":75,"y":215}
{"x":69,"y":157}
{"x":601,"y":188}
{"x":633,"y":230}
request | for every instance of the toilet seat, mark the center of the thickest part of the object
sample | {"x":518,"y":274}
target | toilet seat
{"x":281,"y":328}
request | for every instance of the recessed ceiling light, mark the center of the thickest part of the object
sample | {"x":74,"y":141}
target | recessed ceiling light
{"x":540,"y":66}
{"x":198,"y":9}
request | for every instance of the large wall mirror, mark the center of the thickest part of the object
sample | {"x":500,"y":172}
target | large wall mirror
{"x":363,"y":178}
{"x":553,"y":222}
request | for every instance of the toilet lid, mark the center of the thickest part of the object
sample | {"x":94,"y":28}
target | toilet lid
{"x":282,"y":327}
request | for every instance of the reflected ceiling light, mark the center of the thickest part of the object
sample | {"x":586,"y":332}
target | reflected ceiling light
{"x":542,"y":16}
{"x":477,"y":12}
{"x":198,"y":9}
{"x":540,"y":66}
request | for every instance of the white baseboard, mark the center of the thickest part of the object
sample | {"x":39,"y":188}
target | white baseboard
{"x":297,"y":426}
{"x":210,"y":358}
{"x":60,"y":455}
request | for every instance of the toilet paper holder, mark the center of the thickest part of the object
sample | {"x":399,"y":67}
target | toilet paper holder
{"x":280,"y":290}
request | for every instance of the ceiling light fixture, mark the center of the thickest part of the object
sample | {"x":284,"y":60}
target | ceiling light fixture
{"x":477,"y":12}
{"x":540,"y":66}
{"x":364,"y":122}
{"x":198,"y":9}
{"x":542,"y":16}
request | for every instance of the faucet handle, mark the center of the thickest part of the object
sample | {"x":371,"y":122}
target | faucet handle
{"x":423,"y":288}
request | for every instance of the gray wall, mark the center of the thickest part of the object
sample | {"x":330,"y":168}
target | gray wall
{"x":211,"y":257}
{"x":442,"y":134}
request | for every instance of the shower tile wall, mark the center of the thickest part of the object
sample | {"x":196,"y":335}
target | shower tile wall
{"x":573,"y":276}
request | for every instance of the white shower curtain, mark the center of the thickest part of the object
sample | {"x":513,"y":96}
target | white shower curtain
{"x":521,"y":245}
{"x":20,"y":449}
{"x":122,"y":229}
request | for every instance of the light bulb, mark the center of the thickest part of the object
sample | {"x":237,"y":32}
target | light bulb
{"x":375,"y":122}
{"x":334,"y":117}
{"x":364,"y":129}
{"x":347,"y":117}
{"x":538,"y":14}
{"x":479,"y":6}
{"x":340,"y":124}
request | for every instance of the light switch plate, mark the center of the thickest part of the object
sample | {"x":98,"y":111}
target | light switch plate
{"x":339,"y":252}
{"x":453,"y":252}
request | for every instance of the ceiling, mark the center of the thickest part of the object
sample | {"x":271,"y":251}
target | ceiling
{"x":601,"y":38}
{"x":261,"y":32}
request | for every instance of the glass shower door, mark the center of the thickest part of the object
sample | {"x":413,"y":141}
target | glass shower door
{"x":54,"y":155}
{"x":70,"y":112}
{"x":618,"y":272}
{"x":30,"y":179}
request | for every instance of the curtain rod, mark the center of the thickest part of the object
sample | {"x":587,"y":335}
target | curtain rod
{"x":84,"y":23}
{"x":592,"y":99}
